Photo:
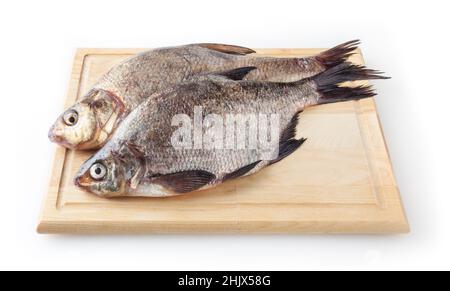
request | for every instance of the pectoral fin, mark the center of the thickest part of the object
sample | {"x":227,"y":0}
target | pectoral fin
{"x":136,"y":179}
{"x":227,"y":49}
{"x":185,"y":182}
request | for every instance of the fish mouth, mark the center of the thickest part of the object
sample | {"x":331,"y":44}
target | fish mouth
{"x":84,"y":187}
{"x":82,"y":183}
{"x":53,"y":137}
{"x":58,"y":139}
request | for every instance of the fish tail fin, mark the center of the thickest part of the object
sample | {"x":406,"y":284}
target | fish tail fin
{"x":338,"y":54}
{"x":328,"y":83}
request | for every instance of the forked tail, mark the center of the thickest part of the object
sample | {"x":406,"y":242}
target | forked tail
{"x":328,"y":83}
{"x":337,"y":55}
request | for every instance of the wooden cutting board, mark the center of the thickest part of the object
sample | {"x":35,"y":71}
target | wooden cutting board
{"x":339,"y":181}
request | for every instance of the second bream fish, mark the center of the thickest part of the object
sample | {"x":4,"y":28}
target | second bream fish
{"x":188,"y":139}
{"x":89,"y":123}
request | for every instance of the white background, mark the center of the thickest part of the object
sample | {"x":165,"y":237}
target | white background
{"x":407,"y":39}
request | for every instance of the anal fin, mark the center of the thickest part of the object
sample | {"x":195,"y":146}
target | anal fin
{"x":241,"y":172}
{"x":291,"y":130}
{"x":287,"y":148}
{"x":288,"y":143}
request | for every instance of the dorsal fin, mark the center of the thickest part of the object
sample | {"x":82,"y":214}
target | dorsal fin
{"x":227,"y":49}
{"x":236,"y":74}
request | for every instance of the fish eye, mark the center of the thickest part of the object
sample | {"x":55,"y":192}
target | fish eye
{"x":70,"y":117}
{"x":97,"y":171}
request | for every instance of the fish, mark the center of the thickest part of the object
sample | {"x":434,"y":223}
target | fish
{"x":89,"y":123}
{"x":158,"y":152}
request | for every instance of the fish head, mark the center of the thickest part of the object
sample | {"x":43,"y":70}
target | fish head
{"x":102,"y":177}
{"x":89,"y":123}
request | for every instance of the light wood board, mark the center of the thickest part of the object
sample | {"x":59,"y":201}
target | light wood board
{"x":339,"y":181}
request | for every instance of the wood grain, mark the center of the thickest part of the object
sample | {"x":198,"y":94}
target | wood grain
{"x":340,"y":181}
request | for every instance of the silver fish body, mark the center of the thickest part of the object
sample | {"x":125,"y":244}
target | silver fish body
{"x":90,"y":122}
{"x":142,"y":158}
